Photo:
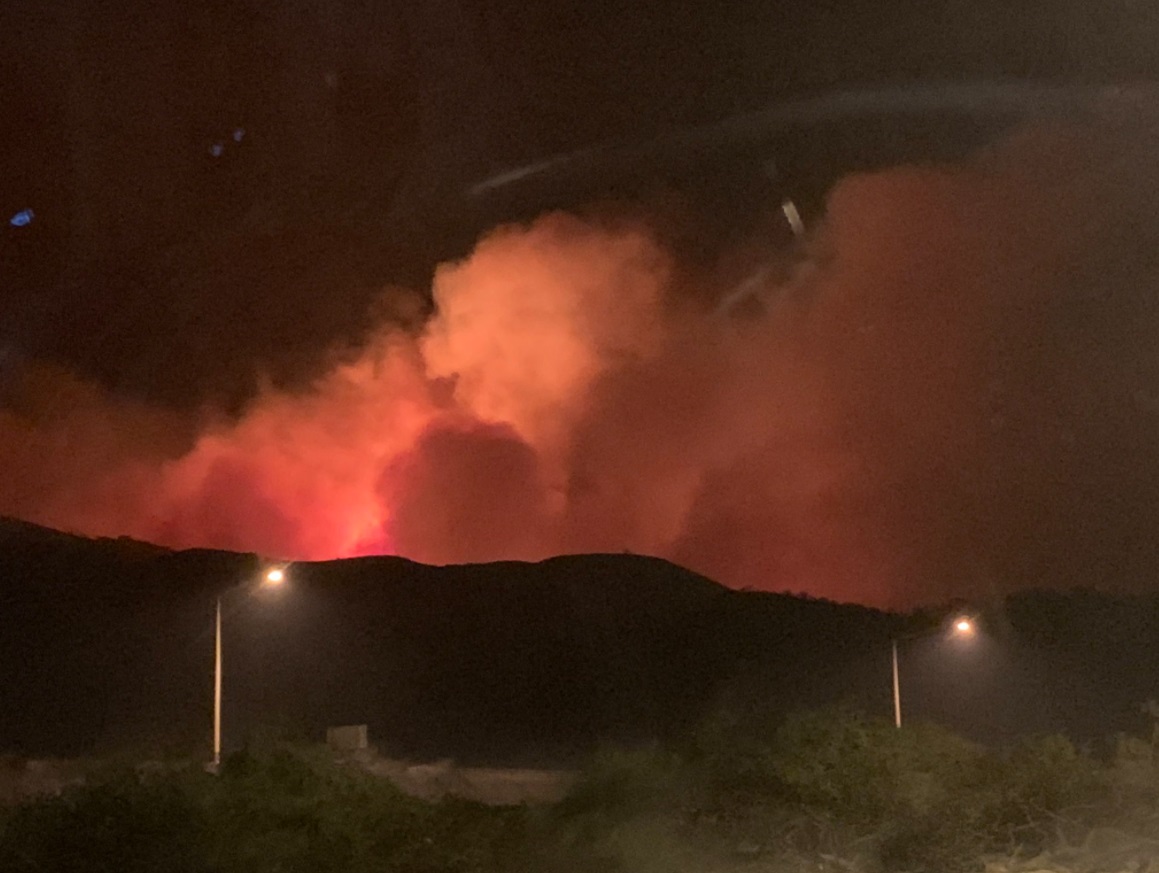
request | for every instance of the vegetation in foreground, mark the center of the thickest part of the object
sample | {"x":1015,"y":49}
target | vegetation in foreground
{"x":831,"y":790}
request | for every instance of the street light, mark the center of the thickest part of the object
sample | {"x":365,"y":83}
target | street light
{"x":272,"y":578}
{"x":963,"y":627}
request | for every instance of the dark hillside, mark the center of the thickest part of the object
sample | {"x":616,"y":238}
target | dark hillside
{"x":109,"y":643}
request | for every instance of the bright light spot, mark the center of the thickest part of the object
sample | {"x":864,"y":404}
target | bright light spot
{"x":217,"y":149}
{"x":793,"y":216}
{"x":23,"y":218}
{"x":238,"y":134}
{"x":964,"y":626}
{"x":276,"y":576}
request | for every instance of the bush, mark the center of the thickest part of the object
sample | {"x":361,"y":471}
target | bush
{"x":820,"y":786}
{"x":864,"y":770}
{"x":1040,"y":790}
{"x":824,"y":783}
{"x":837,"y":782}
{"x":282,"y":810}
{"x":125,"y":825}
{"x":910,"y":799}
{"x":285,"y":810}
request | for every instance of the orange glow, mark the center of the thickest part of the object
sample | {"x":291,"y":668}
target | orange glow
{"x":275,"y":576}
{"x":575,"y":391}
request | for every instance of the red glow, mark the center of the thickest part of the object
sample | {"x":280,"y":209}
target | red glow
{"x":566,"y":398}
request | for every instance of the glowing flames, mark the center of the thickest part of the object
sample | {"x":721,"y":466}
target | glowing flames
{"x":567,"y":397}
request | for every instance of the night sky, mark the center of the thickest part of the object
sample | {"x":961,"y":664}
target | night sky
{"x":246,"y":302}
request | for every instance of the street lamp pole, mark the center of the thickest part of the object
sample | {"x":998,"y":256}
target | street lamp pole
{"x":217,"y":691}
{"x":273,"y":577}
{"x":961,"y":627}
{"x":896,"y":690}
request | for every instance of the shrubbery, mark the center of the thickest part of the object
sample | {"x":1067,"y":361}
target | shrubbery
{"x":283,"y":811}
{"x":841,"y":788}
{"x":823,"y":790}
{"x":123,"y":825}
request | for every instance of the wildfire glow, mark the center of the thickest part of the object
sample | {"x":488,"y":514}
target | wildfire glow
{"x":879,"y":427}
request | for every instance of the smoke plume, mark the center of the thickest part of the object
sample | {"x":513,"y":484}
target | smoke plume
{"x":954,"y":391}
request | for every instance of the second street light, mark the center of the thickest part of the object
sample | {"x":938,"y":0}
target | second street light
{"x":962,"y":627}
{"x":271,"y":578}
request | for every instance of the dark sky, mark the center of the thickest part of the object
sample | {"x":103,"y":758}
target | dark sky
{"x":362,"y":120}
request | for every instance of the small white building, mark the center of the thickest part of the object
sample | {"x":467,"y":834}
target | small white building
{"x":347,"y":738}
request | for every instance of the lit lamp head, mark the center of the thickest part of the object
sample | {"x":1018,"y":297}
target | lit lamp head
{"x":963,"y":627}
{"x":275,"y":577}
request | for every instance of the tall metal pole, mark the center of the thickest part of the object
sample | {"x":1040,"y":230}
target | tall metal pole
{"x":217,"y":691}
{"x":896,"y":690}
